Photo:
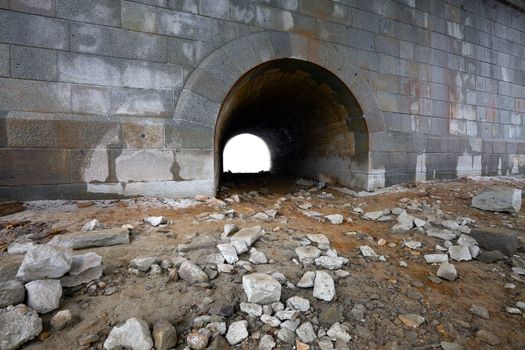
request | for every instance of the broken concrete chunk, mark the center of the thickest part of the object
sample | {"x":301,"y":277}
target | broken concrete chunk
{"x":43,"y":295}
{"x":306,"y":333}
{"x":240,"y":246}
{"x":436,"y":258}
{"x":307,"y":254}
{"x":83,"y":240}
{"x":330,"y":262}
{"x":83,"y":262}
{"x":43,"y":261}
{"x":335,"y":219}
{"x":307,"y":281}
{"x":133,"y":334}
{"x":405,"y":222}
{"x":237,"y":332}
{"x":229,"y":252}
{"x":324,"y":286}
{"x":248,"y":235}
{"x":257,"y":257}
{"x":18,"y":325}
{"x":191,"y":273}
{"x":498,"y":198}
{"x":496,"y":239}
{"x":261,"y":288}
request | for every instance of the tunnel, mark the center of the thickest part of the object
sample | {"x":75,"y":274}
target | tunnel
{"x":310,"y":120}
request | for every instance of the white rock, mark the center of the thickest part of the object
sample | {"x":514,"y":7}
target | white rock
{"x":229,"y":252}
{"x":279,"y":277}
{"x":257,"y":257}
{"x":521,"y":305}
{"x":324,"y":286}
{"x":261,"y":288}
{"x":229,"y":229}
{"x":444,"y":234}
{"x":436,"y":258}
{"x":248,"y":235}
{"x":335,"y":219}
{"x":267,"y":342}
{"x":330,"y":262}
{"x":412,"y":244}
{"x":419,"y":222}
{"x":251,"y":309}
{"x":284,"y":315}
{"x":156,"y":220}
{"x":277,"y":306}
{"x":237,"y":332}
{"x":405,"y":223}
{"x":261,"y":216}
{"x":474,"y":251}
{"x":19,"y":247}
{"x":459,"y":253}
{"x":298,"y":303}
{"x":240,"y":246}
{"x":307,"y":254}
{"x":336,"y":332}
{"x":450,"y":225}
{"x":84,"y":277}
{"x":513,"y":310}
{"x":341,"y":273}
{"x":43,"y":295}
{"x":18,"y":324}
{"x":307,"y":281}
{"x":322,"y":241}
{"x":373,"y":215}
{"x":133,"y":334}
{"x":291,"y":324}
{"x":225,"y":268}
{"x":91,"y":226}
{"x":215,"y":258}
{"x":144,"y":263}
{"x":270,"y":321}
{"x":366,"y":251}
{"x":191,"y":273}
{"x":217,"y":328}
{"x":306,"y":333}
{"x":498,"y":198}
{"x":43,"y":261}
{"x":61,"y":319}
{"x":467,"y":240}
{"x":447,"y":271}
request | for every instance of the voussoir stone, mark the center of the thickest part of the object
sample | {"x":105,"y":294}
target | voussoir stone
{"x":43,"y":261}
{"x":261,"y":288}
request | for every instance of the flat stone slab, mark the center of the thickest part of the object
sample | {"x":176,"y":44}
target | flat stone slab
{"x":489,"y":238}
{"x":498,"y":198}
{"x":83,"y":240}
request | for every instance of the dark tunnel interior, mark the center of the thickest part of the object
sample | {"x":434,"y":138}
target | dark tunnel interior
{"x":307,"y":116}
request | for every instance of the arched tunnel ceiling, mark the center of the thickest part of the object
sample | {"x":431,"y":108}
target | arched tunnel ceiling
{"x":300,"y":109}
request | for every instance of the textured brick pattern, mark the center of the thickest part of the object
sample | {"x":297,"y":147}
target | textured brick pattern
{"x":87,"y":84}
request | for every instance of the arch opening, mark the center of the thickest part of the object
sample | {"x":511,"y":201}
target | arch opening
{"x":246,"y":153}
{"x":308,"y":117}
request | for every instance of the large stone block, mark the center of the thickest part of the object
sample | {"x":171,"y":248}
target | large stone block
{"x":89,"y":165}
{"x":194,"y":165}
{"x":90,"y":38}
{"x":139,"y":46}
{"x":35,"y":166}
{"x":38,"y":96}
{"x":181,"y":51}
{"x":184,"y":25}
{"x":4,"y":60}
{"x":145,"y":165}
{"x":144,"y":103}
{"x":24,"y":29}
{"x":32,"y":63}
{"x":38,"y":7}
{"x":496,"y":239}
{"x":197,"y":109}
{"x":86,"y":69}
{"x":30,"y":131}
{"x":90,"y":99}
{"x":187,"y":135}
{"x":139,"y":17}
{"x":142,"y":133}
{"x":106,"y":12}
{"x":157,"y":76}
{"x":88,"y":133}
{"x":214,"y":8}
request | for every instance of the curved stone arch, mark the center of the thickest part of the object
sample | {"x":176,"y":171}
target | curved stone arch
{"x":200,"y":101}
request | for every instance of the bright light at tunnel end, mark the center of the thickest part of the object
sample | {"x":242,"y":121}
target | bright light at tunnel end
{"x":246,"y":153}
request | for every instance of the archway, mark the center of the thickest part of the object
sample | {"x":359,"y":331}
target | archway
{"x":310,"y":120}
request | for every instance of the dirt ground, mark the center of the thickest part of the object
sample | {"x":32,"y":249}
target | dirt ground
{"x":385,"y":288}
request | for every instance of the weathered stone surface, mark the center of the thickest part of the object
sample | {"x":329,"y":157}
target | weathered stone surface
{"x":43,"y":261}
{"x":436,"y":258}
{"x":91,"y":225}
{"x":412,"y":320}
{"x":257,"y":257}
{"x":251,"y":309}
{"x":198,"y":340}
{"x":83,"y":240}
{"x":306,"y":332}
{"x":83,"y":262}
{"x":444,"y":234}
{"x":267,"y":342}
{"x":405,"y":223}
{"x":498,"y":198}
{"x":191,"y":273}
{"x":459,"y":253}
{"x":324,"y":286}
{"x":307,"y":281}
{"x":335,"y":219}
{"x":43,"y":295}
{"x":447,"y":271}
{"x":261,"y":288}
{"x":11,"y":293}
{"x":164,"y":335}
{"x":479,"y":311}
{"x":18,"y":324}
{"x":237,"y":332}
{"x":496,"y":239}
{"x":321,"y":240}
{"x":487,"y":337}
{"x":270,"y":321}
{"x":82,"y":278}
{"x":229,"y":252}
{"x":134,"y":334}
{"x":298,"y":303}
{"x":144,"y":263}
{"x":336,"y":332}
{"x":330,"y":262}
{"x":307,"y":254}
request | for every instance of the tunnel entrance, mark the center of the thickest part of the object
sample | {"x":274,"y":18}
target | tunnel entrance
{"x":245,"y":154}
{"x":306,"y":115}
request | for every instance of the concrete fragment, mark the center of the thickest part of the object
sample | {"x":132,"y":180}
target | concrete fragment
{"x":298,"y":303}
{"x":229,"y":252}
{"x":134,"y":334}
{"x":436,"y":258}
{"x":92,"y":225}
{"x":459,"y":253}
{"x":307,"y":281}
{"x":330,"y":262}
{"x":498,"y":198}
{"x":324,"y":286}
{"x":44,"y":261}
{"x":257,"y":257}
{"x":43,"y":295}
{"x":155,"y":220}
{"x":335,"y":219}
{"x":447,"y":271}
{"x":191,"y":273}
{"x":443,"y":234}
{"x":248,"y":235}
{"x":306,"y":332}
{"x":83,"y":240}
{"x":307,"y":254}
{"x":261,"y":288}
{"x":237,"y":332}
{"x":18,"y":324}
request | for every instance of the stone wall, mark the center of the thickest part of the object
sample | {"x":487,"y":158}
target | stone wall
{"x":102,"y":98}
